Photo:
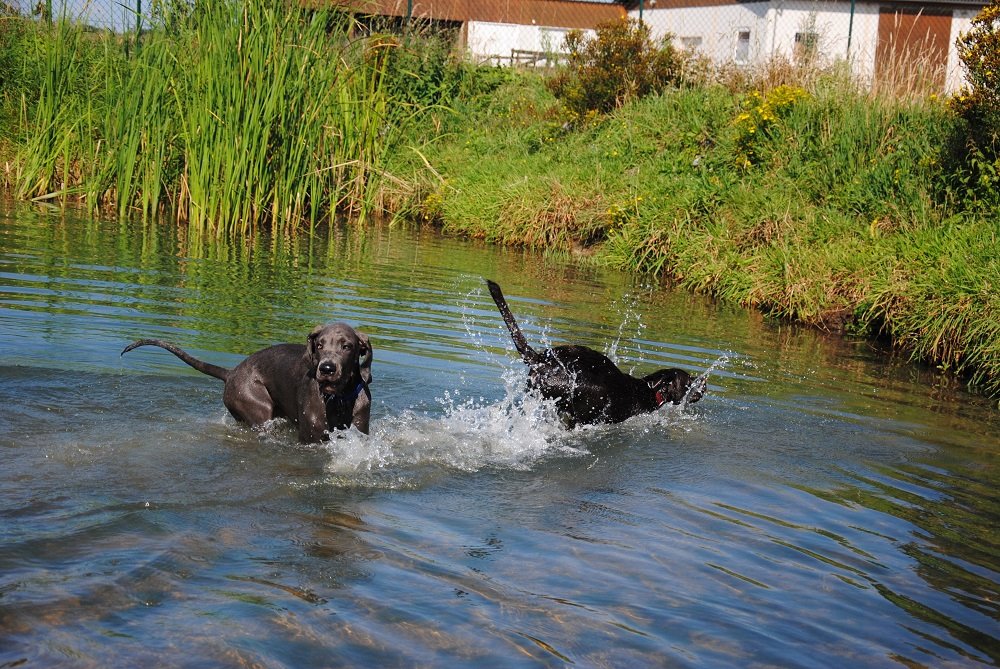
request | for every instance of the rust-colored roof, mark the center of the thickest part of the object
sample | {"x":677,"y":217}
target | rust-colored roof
{"x":648,"y":6}
{"x":560,"y":13}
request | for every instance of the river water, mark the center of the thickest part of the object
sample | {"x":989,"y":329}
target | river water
{"x":825,"y":505}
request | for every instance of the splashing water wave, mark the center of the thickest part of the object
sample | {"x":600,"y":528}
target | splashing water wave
{"x":517,"y":433}
{"x":471,"y":433}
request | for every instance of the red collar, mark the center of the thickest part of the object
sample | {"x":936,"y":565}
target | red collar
{"x":660,"y":399}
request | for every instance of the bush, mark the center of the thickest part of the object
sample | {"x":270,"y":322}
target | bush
{"x":979,"y":50}
{"x":619,"y":64}
{"x":424,"y":71}
{"x":426,"y":79}
{"x":978,"y":171}
{"x":760,"y":114}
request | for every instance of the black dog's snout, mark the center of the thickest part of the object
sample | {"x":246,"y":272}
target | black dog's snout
{"x":327,"y":368}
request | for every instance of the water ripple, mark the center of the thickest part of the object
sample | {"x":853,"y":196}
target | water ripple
{"x":824,"y":505}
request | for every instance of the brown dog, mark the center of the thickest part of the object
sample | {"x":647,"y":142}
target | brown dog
{"x":322,"y":385}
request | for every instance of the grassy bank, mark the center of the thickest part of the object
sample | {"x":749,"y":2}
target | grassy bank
{"x":795,"y":193}
{"x":823,"y":205}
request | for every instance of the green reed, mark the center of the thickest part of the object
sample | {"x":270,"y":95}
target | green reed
{"x":238,"y":115}
{"x":57,"y":113}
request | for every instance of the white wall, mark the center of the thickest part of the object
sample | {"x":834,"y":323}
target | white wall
{"x":717,"y":27}
{"x":773,"y":26}
{"x":487,"y":41}
{"x":833,"y":24}
{"x":961,"y":21}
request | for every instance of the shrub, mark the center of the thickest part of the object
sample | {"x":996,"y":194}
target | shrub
{"x":620,"y":63}
{"x":424,"y":70}
{"x":979,"y":50}
{"x":978,"y":171}
{"x":760,"y":113}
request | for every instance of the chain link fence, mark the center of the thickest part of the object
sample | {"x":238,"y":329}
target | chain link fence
{"x":872,"y":38}
{"x":113,"y":15}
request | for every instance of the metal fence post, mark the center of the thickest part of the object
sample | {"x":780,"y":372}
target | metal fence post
{"x":850,"y":31}
{"x":138,"y":21}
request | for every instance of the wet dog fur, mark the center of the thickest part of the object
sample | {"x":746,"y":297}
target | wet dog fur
{"x":321,"y":385}
{"x":587,"y":386}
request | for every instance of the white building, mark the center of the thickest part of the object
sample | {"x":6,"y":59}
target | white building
{"x":917,"y":38}
{"x":528,"y":32}
{"x":878,"y":39}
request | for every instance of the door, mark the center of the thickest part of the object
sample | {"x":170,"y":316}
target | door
{"x":911,"y":57}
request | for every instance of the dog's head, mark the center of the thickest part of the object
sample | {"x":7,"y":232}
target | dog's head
{"x":338,"y":356}
{"x":675,"y":386}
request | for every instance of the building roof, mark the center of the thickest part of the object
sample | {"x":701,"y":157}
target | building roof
{"x":562,"y":13}
{"x":647,"y":5}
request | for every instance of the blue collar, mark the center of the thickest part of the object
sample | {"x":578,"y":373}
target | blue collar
{"x":345,"y":399}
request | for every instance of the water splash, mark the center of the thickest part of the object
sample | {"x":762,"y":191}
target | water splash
{"x":699,"y":385}
{"x":470,"y":432}
{"x":631,"y":328}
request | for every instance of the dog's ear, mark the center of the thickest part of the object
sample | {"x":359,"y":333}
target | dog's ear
{"x":364,"y":357}
{"x":679,"y":386}
{"x":310,"y":354}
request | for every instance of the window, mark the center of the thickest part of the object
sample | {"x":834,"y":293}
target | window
{"x":742,"y":54}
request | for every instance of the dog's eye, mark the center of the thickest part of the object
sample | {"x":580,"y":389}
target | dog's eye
{"x":319,"y":346}
{"x":348,"y":346}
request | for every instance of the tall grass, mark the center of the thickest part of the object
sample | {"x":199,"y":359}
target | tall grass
{"x":57,"y":115}
{"x":241,"y":114}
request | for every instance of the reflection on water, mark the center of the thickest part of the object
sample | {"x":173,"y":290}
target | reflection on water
{"x":824,"y":505}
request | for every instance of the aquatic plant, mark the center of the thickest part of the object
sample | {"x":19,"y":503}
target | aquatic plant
{"x":239,"y":114}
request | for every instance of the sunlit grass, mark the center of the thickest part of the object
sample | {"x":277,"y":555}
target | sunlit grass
{"x":844,"y":219}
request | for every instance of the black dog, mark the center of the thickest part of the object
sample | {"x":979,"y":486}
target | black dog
{"x":322,"y":385}
{"x":587,"y":386}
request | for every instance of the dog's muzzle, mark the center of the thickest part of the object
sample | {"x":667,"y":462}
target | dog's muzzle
{"x":329,"y":376}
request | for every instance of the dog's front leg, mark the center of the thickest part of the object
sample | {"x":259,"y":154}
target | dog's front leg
{"x":312,"y":413}
{"x":362,"y":410}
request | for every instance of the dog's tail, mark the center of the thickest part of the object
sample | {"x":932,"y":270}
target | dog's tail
{"x":203,"y":367}
{"x":528,"y":354}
